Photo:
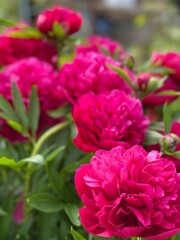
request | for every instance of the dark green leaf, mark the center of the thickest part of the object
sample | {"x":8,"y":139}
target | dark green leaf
{"x":54,"y":154}
{"x":19,"y":105}
{"x":34,"y":110}
{"x":167,"y":116}
{"x":76,"y":235}
{"x":72,"y":212}
{"x":6,"y":107}
{"x":60,"y":112}
{"x":45,"y":202}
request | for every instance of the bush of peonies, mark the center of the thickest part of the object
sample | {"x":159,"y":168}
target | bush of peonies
{"x":89,"y":144}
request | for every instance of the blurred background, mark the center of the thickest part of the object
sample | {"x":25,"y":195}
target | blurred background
{"x":142,"y":26}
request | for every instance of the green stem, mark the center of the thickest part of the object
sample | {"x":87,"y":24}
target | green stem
{"x":47,"y":134}
{"x":37,"y":147}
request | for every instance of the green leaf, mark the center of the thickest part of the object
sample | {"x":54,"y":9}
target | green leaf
{"x":169,"y":93}
{"x":34,"y":110}
{"x":2,"y":212}
{"x":60,"y":112}
{"x":7,"y":23}
{"x":26,"y":32}
{"x":123,"y":74}
{"x":45,"y":202}
{"x":8,"y":162}
{"x":76,"y":235}
{"x":54,"y":154}
{"x":58,"y":30}
{"x":72,"y":212}
{"x":38,"y":159}
{"x":167,"y":116}
{"x":19,"y":105}
{"x":15,"y":125}
{"x":6,"y":107}
{"x":161,"y":70}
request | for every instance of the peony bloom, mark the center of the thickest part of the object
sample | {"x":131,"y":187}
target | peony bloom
{"x":90,"y":73}
{"x":26,"y":73}
{"x":129,"y":193}
{"x":101,"y":44}
{"x":107,"y":120}
{"x":152,"y":98}
{"x":18,"y":214}
{"x":170,"y":60}
{"x":69,"y":20}
{"x":13,"y":49}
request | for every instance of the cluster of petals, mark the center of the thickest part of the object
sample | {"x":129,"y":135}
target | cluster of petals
{"x":129,"y":193}
{"x":90,"y":73}
{"x":102,"y":45}
{"x":170,"y":60}
{"x":13,"y":49}
{"x":107,"y":120}
{"x":27,"y":73}
{"x":69,"y":20}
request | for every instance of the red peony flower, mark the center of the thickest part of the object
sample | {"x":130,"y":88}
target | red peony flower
{"x":129,"y":193}
{"x":26,"y":73}
{"x":170,"y":60}
{"x":69,"y":20}
{"x":90,"y":73}
{"x":152,"y":98}
{"x":13,"y":49}
{"x":107,"y":120}
{"x":101,"y":44}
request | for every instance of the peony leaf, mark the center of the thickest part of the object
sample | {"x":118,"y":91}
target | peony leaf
{"x":76,"y":235}
{"x":60,"y":112}
{"x":167,"y":116}
{"x":34,"y":110}
{"x":26,"y":32}
{"x":123,"y":74}
{"x":38,"y":159}
{"x":8,"y":163}
{"x":7,"y":23}
{"x":19,"y":105}
{"x":72,"y":212}
{"x":168,"y":93}
{"x":6,"y":107}
{"x":15,"y":125}
{"x":45,"y":202}
{"x":54,"y":153}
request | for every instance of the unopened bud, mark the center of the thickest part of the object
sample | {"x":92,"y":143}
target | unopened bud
{"x":169,"y":142}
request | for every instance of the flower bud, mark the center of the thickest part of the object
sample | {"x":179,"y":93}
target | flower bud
{"x":169,"y":142}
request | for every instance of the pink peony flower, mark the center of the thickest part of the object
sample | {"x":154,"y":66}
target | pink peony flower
{"x":170,"y":60}
{"x":101,"y":44}
{"x":107,"y":120}
{"x":69,"y":20}
{"x":129,"y":193}
{"x":13,"y":49}
{"x":26,"y":73}
{"x":152,"y":98}
{"x":90,"y":73}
